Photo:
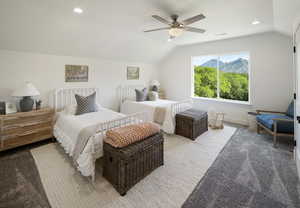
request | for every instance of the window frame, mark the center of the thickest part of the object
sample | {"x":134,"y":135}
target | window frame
{"x":218,"y":99}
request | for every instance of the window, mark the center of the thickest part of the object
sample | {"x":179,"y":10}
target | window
{"x":223,"y":77}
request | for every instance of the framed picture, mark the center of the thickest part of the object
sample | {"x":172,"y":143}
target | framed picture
{"x":133,"y":73}
{"x":10,"y":108}
{"x":76,"y":73}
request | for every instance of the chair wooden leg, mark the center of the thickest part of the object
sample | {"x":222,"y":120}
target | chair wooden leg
{"x":258,"y":128}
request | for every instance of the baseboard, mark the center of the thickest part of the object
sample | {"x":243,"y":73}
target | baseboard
{"x":236,"y":121}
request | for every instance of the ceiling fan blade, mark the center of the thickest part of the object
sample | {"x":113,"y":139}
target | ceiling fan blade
{"x":193,"y":29}
{"x":193,"y":19}
{"x":162,"y":20}
{"x":153,"y":30}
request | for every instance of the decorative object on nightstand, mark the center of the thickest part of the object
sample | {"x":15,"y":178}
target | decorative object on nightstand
{"x":25,"y":127}
{"x":10,"y":108}
{"x":28,"y":91}
{"x":38,"y":104}
{"x":154,"y":85}
{"x":2,"y":108}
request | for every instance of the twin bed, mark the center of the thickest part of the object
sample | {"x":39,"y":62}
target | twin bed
{"x":160,"y":111}
{"x":69,"y":128}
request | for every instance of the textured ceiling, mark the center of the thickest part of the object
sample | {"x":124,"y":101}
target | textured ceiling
{"x":114,"y":29}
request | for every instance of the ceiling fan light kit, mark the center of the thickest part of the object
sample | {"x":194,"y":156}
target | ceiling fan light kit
{"x":175,"y":31}
{"x":177,"y":28}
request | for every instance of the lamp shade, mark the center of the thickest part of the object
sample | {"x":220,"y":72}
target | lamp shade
{"x":28,"y":90}
{"x":154,"y":83}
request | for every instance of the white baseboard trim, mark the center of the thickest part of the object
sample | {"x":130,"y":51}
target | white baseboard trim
{"x":236,"y":121}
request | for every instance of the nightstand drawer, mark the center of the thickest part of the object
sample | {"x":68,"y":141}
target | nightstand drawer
{"x":27,"y":137}
{"x":25,"y":127}
{"x":22,"y":120}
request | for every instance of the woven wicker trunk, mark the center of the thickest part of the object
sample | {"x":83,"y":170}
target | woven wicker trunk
{"x":191,"y":123}
{"x":124,"y":167}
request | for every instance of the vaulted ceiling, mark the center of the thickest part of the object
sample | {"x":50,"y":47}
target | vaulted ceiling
{"x":114,"y":29}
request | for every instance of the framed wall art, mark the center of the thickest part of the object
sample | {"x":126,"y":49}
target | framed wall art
{"x":76,"y":73}
{"x":133,"y":73}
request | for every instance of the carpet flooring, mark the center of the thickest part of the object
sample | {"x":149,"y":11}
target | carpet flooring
{"x":20,"y":184}
{"x":168,"y":186}
{"x":249,"y":172}
{"x":245,"y":172}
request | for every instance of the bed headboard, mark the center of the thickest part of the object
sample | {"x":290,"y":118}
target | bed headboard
{"x":128,"y":92}
{"x":66,"y":96}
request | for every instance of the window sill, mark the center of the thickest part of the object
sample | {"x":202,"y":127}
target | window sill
{"x":223,"y":100}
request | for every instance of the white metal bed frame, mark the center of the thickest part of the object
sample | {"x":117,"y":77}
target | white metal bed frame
{"x":128,"y":92}
{"x":66,"y":96}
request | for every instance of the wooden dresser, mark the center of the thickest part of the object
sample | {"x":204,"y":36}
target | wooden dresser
{"x":25,"y":127}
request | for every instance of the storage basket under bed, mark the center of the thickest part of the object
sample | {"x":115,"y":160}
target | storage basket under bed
{"x":124,"y":167}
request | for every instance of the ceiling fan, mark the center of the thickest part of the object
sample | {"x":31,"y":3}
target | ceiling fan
{"x":177,"y":28}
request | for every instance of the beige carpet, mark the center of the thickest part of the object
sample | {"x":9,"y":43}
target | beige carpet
{"x":186,"y":162}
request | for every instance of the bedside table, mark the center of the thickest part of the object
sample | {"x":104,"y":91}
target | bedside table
{"x":25,"y":127}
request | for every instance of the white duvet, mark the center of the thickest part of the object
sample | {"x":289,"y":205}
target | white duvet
{"x":130,"y":107}
{"x":67,"y":129}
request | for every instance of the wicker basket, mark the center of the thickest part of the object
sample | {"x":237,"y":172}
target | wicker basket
{"x":191,"y":123}
{"x":124,"y":167}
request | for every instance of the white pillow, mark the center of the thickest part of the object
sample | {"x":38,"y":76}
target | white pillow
{"x":71,"y":109}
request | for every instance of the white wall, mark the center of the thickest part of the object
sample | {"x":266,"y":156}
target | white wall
{"x":271,"y":73}
{"x":46,"y":72}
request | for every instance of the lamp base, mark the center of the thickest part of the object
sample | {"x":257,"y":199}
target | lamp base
{"x":26,"y":104}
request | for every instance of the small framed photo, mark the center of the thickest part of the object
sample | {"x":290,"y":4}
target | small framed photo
{"x":133,"y":73}
{"x":10,"y":108}
{"x":76,"y":73}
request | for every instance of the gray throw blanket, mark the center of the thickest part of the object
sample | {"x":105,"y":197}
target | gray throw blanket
{"x":82,"y":140}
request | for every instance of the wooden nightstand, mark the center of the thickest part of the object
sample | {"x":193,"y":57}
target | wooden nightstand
{"x":25,"y":127}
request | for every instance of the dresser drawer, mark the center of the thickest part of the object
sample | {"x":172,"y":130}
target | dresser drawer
{"x":25,"y":127}
{"x":23,"y":120}
{"x":26,"y":137}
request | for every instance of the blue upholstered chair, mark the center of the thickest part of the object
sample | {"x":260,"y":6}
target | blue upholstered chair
{"x":276,"y":123}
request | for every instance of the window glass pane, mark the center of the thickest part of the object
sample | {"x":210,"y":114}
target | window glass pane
{"x":234,"y":77}
{"x":205,"y":76}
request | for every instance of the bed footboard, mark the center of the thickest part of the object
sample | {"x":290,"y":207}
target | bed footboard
{"x":181,"y":106}
{"x":124,"y":121}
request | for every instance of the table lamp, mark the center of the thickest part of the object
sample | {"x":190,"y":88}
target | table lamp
{"x":26,"y":92}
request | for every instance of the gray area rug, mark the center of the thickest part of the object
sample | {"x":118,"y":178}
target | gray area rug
{"x":20,"y":184}
{"x":249,"y":172}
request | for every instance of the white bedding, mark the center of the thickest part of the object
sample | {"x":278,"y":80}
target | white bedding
{"x":68,"y":127}
{"x":168,"y":126}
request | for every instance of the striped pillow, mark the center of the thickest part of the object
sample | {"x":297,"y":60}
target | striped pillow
{"x":86,"y":104}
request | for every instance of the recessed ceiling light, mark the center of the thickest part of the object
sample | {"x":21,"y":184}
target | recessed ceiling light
{"x":77,"y":10}
{"x":256,"y":22}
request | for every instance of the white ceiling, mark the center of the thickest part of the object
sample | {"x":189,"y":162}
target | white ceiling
{"x":113,"y":29}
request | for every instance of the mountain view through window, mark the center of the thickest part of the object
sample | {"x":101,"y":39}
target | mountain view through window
{"x":223,"y":77}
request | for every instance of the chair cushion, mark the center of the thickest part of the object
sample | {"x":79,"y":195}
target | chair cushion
{"x":290,"y":110}
{"x":282,"y":127}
